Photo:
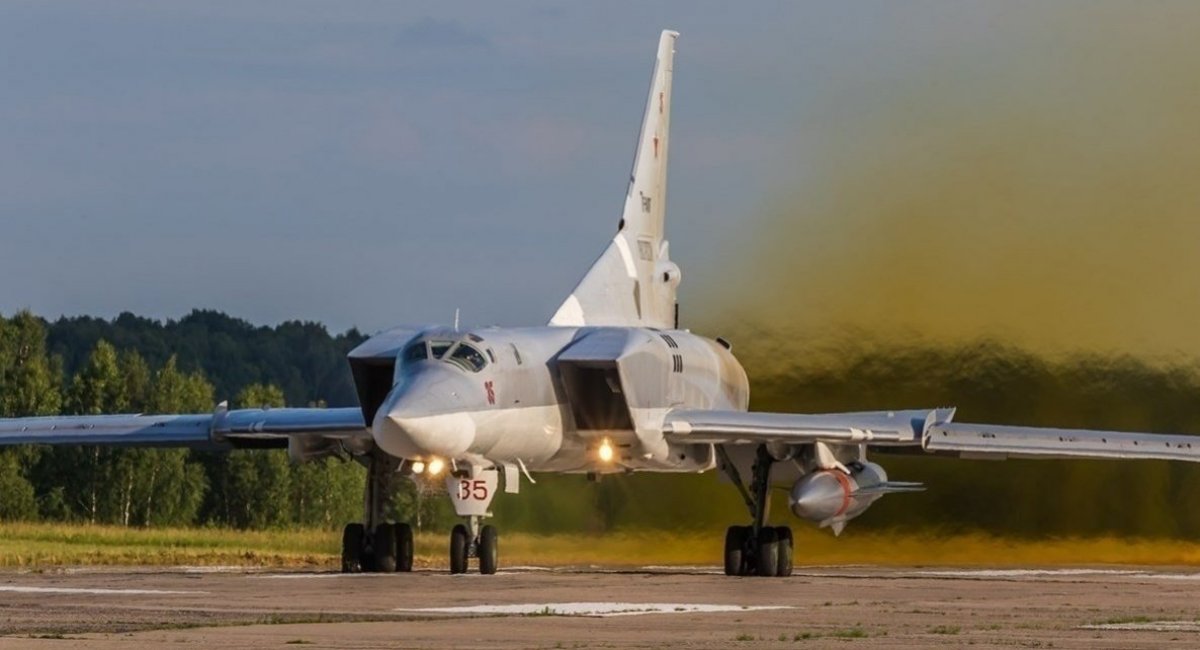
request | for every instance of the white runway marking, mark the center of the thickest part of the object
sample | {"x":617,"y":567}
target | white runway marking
{"x":214,"y":569}
{"x":93,"y":591}
{"x":591,"y":609}
{"x":1149,"y":626}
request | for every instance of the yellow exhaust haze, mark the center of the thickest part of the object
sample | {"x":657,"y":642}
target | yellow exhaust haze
{"x":1041,"y":189}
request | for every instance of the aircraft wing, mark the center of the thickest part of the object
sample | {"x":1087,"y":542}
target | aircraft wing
{"x":996,"y":441}
{"x":219,"y":427}
{"x":931,"y":429}
{"x":741,"y":427}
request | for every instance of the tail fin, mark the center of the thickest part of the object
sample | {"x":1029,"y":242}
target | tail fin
{"x":633,"y":283}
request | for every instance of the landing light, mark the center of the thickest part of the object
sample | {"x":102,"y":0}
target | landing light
{"x":606,"y":451}
{"x":418,"y":467}
{"x":436,"y":465}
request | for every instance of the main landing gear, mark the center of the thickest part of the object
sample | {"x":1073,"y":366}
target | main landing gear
{"x":376,"y":545}
{"x":387,"y":549}
{"x":757,"y":549}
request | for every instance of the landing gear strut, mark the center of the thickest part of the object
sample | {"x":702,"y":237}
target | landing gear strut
{"x":757,"y":549}
{"x":376,"y":545}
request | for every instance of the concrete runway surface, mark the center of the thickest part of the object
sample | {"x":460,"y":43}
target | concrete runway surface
{"x":646,"y":607}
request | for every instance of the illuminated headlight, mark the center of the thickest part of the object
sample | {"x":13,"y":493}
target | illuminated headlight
{"x":436,"y":465}
{"x":418,"y":467}
{"x":606,"y":451}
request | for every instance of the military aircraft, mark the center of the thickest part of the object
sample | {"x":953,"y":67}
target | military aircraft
{"x":610,"y":384}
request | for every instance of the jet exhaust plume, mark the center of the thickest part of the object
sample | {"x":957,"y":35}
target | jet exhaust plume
{"x":1041,"y":190}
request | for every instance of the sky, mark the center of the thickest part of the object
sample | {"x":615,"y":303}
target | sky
{"x":374,"y":163}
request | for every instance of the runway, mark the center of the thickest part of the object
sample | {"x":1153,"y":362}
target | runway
{"x":642,"y":607}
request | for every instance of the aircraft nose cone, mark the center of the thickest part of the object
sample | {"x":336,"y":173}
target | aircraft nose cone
{"x":426,"y":415}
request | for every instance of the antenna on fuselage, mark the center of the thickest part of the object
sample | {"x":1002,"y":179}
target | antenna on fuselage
{"x":456,"y":319}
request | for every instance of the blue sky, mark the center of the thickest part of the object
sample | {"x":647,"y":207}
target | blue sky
{"x":372,"y":163}
{"x":359,"y":163}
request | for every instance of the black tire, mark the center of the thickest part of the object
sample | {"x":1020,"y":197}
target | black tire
{"x":404,"y":548}
{"x":385,"y":548}
{"x":488,"y":549}
{"x":460,"y":541}
{"x":768,"y":552}
{"x":735,"y":544}
{"x":352,"y":548}
{"x":783,"y":567}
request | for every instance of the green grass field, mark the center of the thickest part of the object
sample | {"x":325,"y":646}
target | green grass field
{"x":45,"y":545}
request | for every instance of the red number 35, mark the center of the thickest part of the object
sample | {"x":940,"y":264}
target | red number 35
{"x":468,"y":489}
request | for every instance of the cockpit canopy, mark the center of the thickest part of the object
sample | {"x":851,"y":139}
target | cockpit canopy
{"x":462,"y":353}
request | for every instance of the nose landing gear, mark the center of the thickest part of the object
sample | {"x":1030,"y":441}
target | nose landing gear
{"x":471,"y":492}
{"x":482,"y":545}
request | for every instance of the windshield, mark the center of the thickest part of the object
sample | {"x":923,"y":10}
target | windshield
{"x":468,"y":357}
{"x":440,"y":348}
{"x":415,"y":352}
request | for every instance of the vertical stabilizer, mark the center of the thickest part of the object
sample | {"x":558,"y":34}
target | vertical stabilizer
{"x":633,"y":283}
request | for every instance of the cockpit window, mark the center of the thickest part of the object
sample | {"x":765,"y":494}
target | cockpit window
{"x":440,"y":348}
{"x":468,"y":357}
{"x":415,"y":352}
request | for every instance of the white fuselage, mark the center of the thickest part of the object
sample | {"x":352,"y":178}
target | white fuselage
{"x":547,"y":397}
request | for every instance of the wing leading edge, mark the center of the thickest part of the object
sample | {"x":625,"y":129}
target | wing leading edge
{"x":222,"y":426}
{"x":733,"y":427}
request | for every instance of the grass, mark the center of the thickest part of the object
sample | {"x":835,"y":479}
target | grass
{"x":39,"y":545}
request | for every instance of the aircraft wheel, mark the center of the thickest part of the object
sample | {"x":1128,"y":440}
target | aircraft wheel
{"x":488,"y":547}
{"x":404,"y":548}
{"x":767,"y":560}
{"x":459,"y":543}
{"x":352,"y":548}
{"x":385,"y":548}
{"x":784,"y":559}
{"x":735,"y":544}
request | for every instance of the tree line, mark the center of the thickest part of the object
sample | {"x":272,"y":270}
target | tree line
{"x":132,"y":364}
{"x":163,"y":487}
